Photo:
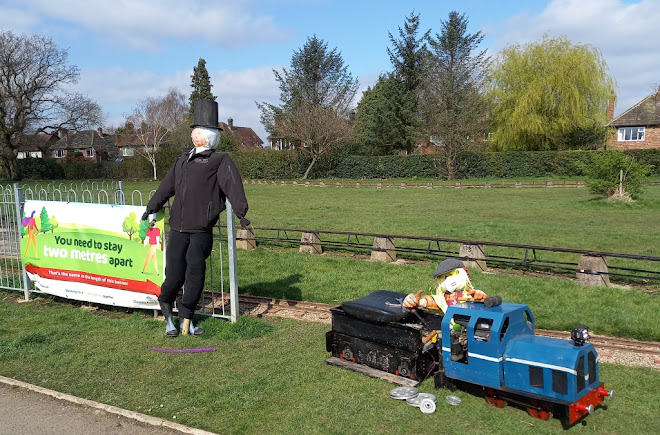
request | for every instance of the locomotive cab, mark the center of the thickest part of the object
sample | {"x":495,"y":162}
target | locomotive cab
{"x":474,"y":338}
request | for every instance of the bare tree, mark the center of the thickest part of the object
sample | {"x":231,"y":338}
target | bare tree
{"x":156,"y":118}
{"x":34,"y":73}
{"x":319,"y":130}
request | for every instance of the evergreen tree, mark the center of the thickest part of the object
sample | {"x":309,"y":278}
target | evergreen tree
{"x":45,"y":221}
{"x":455,"y":112}
{"x":201,"y":85}
{"x":316,"y":94}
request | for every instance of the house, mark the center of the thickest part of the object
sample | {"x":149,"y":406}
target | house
{"x":246,"y":136}
{"x":35,"y":146}
{"x":637,"y":127}
{"x":87,"y":145}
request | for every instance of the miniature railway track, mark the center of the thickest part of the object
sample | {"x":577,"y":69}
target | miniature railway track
{"x":613,"y":350}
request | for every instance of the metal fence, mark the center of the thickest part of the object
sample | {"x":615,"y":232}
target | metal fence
{"x":217,"y":300}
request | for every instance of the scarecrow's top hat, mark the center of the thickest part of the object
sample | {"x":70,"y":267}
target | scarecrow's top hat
{"x":205,"y":114}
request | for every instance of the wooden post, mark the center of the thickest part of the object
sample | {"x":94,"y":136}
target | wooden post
{"x":383,"y":250}
{"x":473,"y":256}
{"x":592,"y":270}
{"x":245,"y":239}
{"x":310,"y":243}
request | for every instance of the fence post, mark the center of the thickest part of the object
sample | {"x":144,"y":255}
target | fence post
{"x":245,"y":239}
{"x":592,"y":270}
{"x":474,"y":256}
{"x":310,"y":243}
{"x":233,"y":275}
{"x":383,"y":250}
{"x":120,"y":190}
{"x":18,"y":199}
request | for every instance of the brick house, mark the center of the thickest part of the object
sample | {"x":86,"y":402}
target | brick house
{"x":246,"y":136}
{"x":93,"y":146}
{"x":637,"y":127}
{"x":36,"y":146}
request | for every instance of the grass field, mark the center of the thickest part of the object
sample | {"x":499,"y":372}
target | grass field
{"x":264,"y":377}
{"x":270,"y":376}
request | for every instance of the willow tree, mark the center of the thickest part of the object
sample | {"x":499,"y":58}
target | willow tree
{"x":545,"y":93}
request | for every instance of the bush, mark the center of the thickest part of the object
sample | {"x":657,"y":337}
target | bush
{"x":615,"y":173}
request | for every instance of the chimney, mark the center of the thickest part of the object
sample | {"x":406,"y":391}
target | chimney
{"x":610,"y":107}
{"x":62,"y":133}
{"x":100,"y":132}
{"x":230,"y":122}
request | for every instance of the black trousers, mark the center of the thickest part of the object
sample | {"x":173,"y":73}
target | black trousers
{"x":186,"y":266}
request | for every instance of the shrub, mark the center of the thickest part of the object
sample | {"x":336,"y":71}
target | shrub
{"x":616,"y":174}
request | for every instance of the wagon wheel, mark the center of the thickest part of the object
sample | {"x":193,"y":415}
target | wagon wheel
{"x":541,"y":410}
{"x":495,"y":401}
{"x":347,"y":354}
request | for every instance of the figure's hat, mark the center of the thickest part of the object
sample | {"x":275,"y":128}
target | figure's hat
{"x":447,"y":266}
{"x":205,"y":114}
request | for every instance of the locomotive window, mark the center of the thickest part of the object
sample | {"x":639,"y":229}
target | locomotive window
{"x":559,"y":382}
{"x":482,"y":329}
{"x":580,"y":374}
{"x":536,"y":377}
{"x":592,"y":368}
{"x":505,"y":327}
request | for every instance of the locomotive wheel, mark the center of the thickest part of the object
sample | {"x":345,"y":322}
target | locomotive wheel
{"x":495,"y":401}
{"x":542,"y":411}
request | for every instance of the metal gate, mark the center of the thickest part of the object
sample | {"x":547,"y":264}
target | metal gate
{"x":215,"y":302}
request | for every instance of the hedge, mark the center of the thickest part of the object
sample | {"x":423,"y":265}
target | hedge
{"x":274,"y":165}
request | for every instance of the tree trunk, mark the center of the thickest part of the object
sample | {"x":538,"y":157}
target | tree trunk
{"x":309,"y":168}
{"x":10,"y":166}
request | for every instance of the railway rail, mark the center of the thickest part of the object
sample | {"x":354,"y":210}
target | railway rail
{"x":611,"y":350}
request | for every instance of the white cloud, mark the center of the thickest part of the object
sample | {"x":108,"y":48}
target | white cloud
{"x":148,"y":25}
{"x":625,"y":33}
{"x":16,"y":19}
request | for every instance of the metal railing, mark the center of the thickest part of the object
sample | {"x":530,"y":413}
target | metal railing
{"x":14,"y":277}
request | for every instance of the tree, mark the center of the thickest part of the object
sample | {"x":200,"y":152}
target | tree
{"x":547,"y":93}
{"x":455,"y":113}
{"x":616,"y":175}
{"x":34,"y":76}
{"x":45,"y":221}
{"x":130,"y":225}
{"x":408,"y":55}
{"x":157,"y":118}
{"x":379,"y":126}
{"x":315,"y":94}
{"x":201,"y":85}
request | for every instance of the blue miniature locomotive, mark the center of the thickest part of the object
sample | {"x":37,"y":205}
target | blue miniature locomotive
{"x":489,"y":350}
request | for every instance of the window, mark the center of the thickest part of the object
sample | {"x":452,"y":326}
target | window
{"x":593,"y":376}
{"x":629,"y":134}
{"x":127,"y":152}
{"x":580,"y":374}
{"x":89,"y":152}
{"x":59,"y":154}
{"x":482,"y":329}
{"x":536,"y":377}
{"x":559,"y":382}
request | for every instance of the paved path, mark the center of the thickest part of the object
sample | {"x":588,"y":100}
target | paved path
{"x":29,"y":409}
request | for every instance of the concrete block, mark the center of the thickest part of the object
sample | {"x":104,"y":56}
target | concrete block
{"x":592,"y":270}
{"x":310,"y":243}
{"x":383,"y":250}
{"x":245,"y":239}
{"x":473,"y":256}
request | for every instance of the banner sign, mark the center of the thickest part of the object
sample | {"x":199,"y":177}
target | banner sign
{"x":97,"y":253}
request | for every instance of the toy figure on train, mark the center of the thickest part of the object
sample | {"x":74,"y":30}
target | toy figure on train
{"x":471,"y":341}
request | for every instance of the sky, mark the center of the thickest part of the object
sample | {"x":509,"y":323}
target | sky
{"x":127,"y":50}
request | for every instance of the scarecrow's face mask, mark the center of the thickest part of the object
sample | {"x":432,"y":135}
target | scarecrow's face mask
{"x":455,"y":280}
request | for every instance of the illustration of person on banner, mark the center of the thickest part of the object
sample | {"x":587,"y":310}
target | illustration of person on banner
{"x":199,"y":180}
{"x":31,"y":226}
{"x":152,"y":238}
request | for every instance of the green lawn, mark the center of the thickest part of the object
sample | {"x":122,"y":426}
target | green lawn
{"x":271,"y":375}
{"x":264,"y":377}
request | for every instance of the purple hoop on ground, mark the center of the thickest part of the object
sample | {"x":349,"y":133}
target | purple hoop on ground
{"x":203,"y":349}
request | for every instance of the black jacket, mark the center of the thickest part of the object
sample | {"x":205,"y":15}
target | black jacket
{"x":200,"y":186}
